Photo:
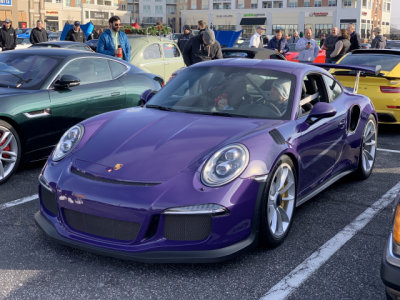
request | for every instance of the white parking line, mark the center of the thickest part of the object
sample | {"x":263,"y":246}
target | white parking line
{"x":303,"y":271}
{"x":388,"y":150}
{"x":19,"y":201}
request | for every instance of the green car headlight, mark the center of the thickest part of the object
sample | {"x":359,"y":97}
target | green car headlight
{"x":68,"y":142}
{"x":225,"y":165}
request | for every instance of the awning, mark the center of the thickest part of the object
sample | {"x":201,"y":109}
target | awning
{"x":253,"y":21}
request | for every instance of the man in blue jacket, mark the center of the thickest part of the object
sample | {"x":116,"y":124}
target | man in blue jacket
{"x":112,"y":38}
{"x":278,"y":43}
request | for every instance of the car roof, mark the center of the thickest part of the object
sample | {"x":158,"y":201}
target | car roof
{"x":273,"y":64}
{"x":61,"y":43}
{"x":61,"y":52}
{"x":376,"y":51}
{"x":148,"y":38}
{"x":257,"y":52}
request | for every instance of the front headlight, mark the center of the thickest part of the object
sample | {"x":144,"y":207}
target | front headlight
{"x":225,"y":165}
{"x":68,"y":142}
{"x":396,"y":231}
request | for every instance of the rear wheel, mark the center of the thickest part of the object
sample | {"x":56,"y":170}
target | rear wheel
{"x":10,"y":151}
{"x":279,"y":202}
{"x":367,"y":149}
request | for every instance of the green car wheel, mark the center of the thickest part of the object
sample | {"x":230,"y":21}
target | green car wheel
{"x":10,"y":151}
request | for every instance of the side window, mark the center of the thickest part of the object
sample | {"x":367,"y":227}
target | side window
{"x":334,"y":89}
{"x":117,"y":68}
{"x":313,"y":91}
{"x":151,"y":52}
{"x":88,"y":70}
{"x":170,"y":50}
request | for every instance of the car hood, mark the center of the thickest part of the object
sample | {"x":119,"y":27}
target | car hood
{"x":148,"y":145}
{"x":6,"y":92}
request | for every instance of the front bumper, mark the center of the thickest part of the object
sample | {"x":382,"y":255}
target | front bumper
{"x":153,"y":241}
{"x":390,"y":270}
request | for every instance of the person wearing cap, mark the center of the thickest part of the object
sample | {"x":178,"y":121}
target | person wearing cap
{"x":183,"y":39}
{"x":379,"y":42}
{"x":8,"y":37}
{"x":76,"y":34}
{"x":278,"y":43}
{"x":202,"y":47}
{"x":38,"y":34}
{"x":112,"y":39}
{"x":256,"y":40}
{"x":279,"y":94}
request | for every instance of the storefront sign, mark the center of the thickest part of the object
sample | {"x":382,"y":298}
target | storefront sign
{"x":50,"y":12}
{"x":364,"y":13}
{"x":6,"y":2}
{"x":98,"y":15}
{"x":319,"y":14}
{"x":224,"y":16}
{"x":253,"y":15}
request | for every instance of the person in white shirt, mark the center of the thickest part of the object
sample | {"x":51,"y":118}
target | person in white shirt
{"x":256,"y":40}
{"x":307,"y":47}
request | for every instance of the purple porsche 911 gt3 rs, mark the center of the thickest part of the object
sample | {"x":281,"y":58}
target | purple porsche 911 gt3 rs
{"x":215,"y":162}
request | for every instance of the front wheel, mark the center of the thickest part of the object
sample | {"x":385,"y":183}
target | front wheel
{"x":10,"y":151}
{"x":368,"y":146}
{"x":279,"y":202}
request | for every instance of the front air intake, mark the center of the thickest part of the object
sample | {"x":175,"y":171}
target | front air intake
{"x":101,"y":227}
{"x":187,"y":227}
{"x":48,"y":200}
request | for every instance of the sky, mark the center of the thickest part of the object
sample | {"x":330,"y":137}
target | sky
{"x":395,"y":19}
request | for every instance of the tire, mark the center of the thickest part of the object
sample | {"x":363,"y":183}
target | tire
{"x":368,"y":147}
{"x":10,"y":151}
{"x":279,"y":203}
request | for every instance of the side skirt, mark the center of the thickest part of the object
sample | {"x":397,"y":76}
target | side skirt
{"x":321,"y":188}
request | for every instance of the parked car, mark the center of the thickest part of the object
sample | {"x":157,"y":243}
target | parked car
{"x":43,"y":92}
{"x":293,"y":55}
{"x":390,"y":268}
{"x":63,"y":44}
{"x":384,"y":89}
{"x":393,"y":44}
{"x":253,"y":53}
{"x":54,"y":36}
{"x":153,"y":54}
{"x":213,"y":163}
{"x":24,"y":33}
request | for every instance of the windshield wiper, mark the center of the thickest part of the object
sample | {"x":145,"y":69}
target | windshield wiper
{"x":160,"y":107}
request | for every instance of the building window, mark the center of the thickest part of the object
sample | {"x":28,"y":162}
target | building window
{"x":193,"y":5}
{"x":158,"y":9}
{"x":253,"y":5}
{"x":318,"y":3}
{"x":346,"y":3}
{"x":204,"y":4}
{"x":240,"y":4}
{"x":307,"y":3}
{"x":322,"y":28}
{"x":67,"y":2}
{"x":146,"y":9}
{"x":99,"y":2}
{"x":287,"y":29}
{"x":78,"y":3}
{"x":293,"y":3}
{"x":364,"y":3}
{"x":86,"y":14}
{"x":332,"y":3}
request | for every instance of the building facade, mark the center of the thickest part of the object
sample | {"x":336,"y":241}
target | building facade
{"x":22,"y":13}
{"x":58,"y":12}
{"x":289,"y":15}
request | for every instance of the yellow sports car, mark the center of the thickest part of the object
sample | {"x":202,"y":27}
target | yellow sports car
{"x":384,"y":88}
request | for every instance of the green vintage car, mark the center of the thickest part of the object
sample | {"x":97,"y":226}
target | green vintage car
{"x":156,"y":55}
{"x":43,"y":92}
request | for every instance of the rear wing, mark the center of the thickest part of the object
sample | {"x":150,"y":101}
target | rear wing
{"x":360,"y":69}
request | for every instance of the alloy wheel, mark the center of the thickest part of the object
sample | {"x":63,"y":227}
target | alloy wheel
{"x":369,"y":146}
{"x":8,"y":152}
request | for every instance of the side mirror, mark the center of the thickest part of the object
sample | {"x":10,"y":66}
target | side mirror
{"x":66,"y":81}
{"x":146,"y":96}
{"x":320,"y":111}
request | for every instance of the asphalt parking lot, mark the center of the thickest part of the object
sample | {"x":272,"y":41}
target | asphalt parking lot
{"x":31,"y":266}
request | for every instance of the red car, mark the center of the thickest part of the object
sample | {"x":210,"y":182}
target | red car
{"x":293,"y":55}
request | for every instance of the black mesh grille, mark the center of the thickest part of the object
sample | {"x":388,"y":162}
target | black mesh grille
{"x":49,"y":200}
{"x":187,"y":227}
{"x":102,"y":227}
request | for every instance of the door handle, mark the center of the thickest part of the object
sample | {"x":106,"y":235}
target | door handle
{"x":115,"y":94}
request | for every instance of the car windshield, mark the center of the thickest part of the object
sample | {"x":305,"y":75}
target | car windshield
{"x":386,"y":61}
{"x":393,"y":45}
{"x":23,"y":71}
{"x":229,"y":92}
